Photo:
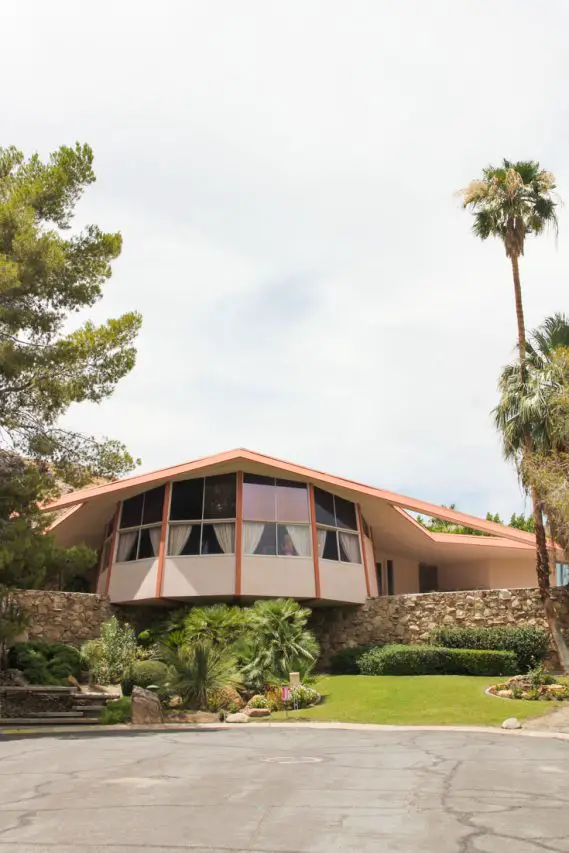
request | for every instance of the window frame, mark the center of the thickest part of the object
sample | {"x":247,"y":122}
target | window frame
{"x":201,"y":521}
{"x":138,"y":527}
{"x":337,"y":530}
{"x":278,"y":523}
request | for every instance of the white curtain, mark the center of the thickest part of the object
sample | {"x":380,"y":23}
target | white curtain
{"x":126,"y":541}
{"x":154,"y":533}
{"x":300,"y":535}
{"x":179,"y":535}
{"x":351,"y":547}
{"x":225,"y":534}
{"x":321,"y":541}
{"x":252,"y":532}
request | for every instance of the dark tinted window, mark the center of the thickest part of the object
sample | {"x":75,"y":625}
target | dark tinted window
{"x":258,"y":480}
{"x":331,"y":546}
{"x":324,"y":507}
{"x":131,"y":515}
{"x":210,"y":543}
{"x":345,"y":514}
{"x":187,"y":500}
{"x":268,"y":541}
{"x":192,"y":545}
{"x":145,"y":547}
{"x":219,"y":499}
{"x":153,"y":503}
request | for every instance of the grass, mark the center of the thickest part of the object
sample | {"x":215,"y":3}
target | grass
{"x":414,"y":700}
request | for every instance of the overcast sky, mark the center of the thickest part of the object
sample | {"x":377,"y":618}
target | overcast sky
{"x":283,"y":174}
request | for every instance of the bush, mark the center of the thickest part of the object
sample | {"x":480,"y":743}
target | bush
{"x":302,"y":697}
{"x":111,"y":657}
{"x":45,"y":663}
{"x":436,"y":660}
{"x":226,"y":699}
{"x":345,"y":662}
{"x":145,"y":673}
{"x":259,"y":701}
{"x":530,"y":645}
{"x":118,"y":711}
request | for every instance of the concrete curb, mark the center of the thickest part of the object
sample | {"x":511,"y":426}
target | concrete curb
{"x":54,"y":731}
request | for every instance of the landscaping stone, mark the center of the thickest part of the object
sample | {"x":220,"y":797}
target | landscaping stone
{"x":240,"y":717}
{"x":146,"y":707}
{"x":257,"y":712}
{"x":511,"y":723}
{"x":505,"y":694}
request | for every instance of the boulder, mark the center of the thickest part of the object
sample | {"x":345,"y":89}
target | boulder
{"x":505,"y":694}
{"x":511,"y":723}
{"x":146,"y":708}
{"x":237,"y":718}
{"x":257,"y":712}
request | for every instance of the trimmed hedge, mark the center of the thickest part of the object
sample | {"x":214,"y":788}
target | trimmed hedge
{"x":146,"y":673}
{"x":436,"y":660}
{"x":345,"y":662}
{"x":530,"y":645}
{"x":45,"y":663}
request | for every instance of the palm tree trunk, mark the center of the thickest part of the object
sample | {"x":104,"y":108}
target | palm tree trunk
{"x":541,"y":552}
{"x":519,"y":307}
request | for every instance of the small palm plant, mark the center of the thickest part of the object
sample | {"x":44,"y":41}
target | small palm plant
{"x":198,"y":671}
{"x":218,"y":624}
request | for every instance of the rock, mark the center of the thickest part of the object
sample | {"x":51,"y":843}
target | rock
{"x":511,"y":723}
{"x":146,"y":707}
{"x":505,"y":694}
{"x":237,"y":718}
{"x":255,"y":712}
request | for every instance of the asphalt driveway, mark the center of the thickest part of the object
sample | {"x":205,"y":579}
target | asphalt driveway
{"x":263,"y":789}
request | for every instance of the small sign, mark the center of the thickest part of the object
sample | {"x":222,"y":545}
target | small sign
{"x":285,"y":694}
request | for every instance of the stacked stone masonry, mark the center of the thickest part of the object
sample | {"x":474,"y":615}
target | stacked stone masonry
{"x":409,"y":618}
{"x":66,"y":617}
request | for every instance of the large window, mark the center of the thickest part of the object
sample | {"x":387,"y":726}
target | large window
{"x":202,"y":516}
{"x":337,"y":527}
{"x":275,"y":517}
{"x":140,"y":522}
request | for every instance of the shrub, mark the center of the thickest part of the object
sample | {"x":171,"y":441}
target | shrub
{"x":258,"y":701}
{"x":45,"y":663}
{"x":198,"y":672}
{"x":118,"y":711}
{"x":436,"y":660}
{"x":345,"y":662}
{"x":226,"y":699}
{"x":302,"y":697}
{"x":145,"y":673}
{"x":111,"y":657}
{"x":530,"y":645}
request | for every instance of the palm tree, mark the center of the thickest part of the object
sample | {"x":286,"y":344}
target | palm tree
{"x":529,"y":390}
{"x":219,"y":624}
{"x":510,"y":202}
{"x":278,"y":642}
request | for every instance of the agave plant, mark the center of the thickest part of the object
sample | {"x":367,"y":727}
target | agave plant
{"x":199,"y":671}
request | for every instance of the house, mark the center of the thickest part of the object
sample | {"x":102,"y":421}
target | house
{"x":241,"y":525}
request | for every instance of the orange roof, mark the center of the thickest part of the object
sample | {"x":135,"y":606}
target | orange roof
{"x":241,"y":454}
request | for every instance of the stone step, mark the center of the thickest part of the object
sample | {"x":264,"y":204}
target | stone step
{"x":63,"y":714}
{"x":88,"y":710}
{"x":47,"y":721}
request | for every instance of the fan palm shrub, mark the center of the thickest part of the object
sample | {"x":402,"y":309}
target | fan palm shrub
{"x":199,"y":671}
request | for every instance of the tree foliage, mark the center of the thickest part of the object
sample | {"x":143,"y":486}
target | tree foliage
{"x":439,"y":525}
{"x":47,"y":274}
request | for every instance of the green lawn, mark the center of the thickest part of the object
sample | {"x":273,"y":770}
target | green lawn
{"x":414,"y":700}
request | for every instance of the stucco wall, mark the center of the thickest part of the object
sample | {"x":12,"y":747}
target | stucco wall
{"x":67,"y":617}
{"x":409,"y":618}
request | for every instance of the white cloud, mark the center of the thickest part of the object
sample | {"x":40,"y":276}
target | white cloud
{"x":283,"y":175}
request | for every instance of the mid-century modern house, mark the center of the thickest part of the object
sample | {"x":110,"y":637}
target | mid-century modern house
{"x":242,"y":526}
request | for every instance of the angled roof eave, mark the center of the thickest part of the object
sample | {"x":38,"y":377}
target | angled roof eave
{"x":401,"y":502}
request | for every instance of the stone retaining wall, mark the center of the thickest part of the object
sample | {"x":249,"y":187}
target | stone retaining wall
{"x":67,"y":617}
{"x":409,"y":618}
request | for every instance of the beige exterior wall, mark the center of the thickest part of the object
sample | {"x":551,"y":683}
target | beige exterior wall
{"x":102,"y":582}
{"x":342,"y":581}
{"x":134,"y":581}
{"x":278,"y":576}
{"x":187,"y":577}
{"x":405,"y":575}
{"x":464,"y":576}
{"x":368,"y":545}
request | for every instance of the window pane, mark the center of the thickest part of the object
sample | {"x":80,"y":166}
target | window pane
{"x":331,"y":546}
{"x":324,"y":508}
{"x":292,"y":501}
{"x":153,"y":503}
{"x":293,"y":540}
{"x":149,"y":542}
{"x":349,"y":547}
{"x":127,"y":547}
{"x":210,"y":543}
{"x":258,"y":479}
{"x":260,"y":538}
{"x":345,"y":514}
{"x":192,"y":545}
{"x":220,"y":497}
{"x":131,"y":514}
{"x":187,"y":500}
{"x":259,"y":502}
